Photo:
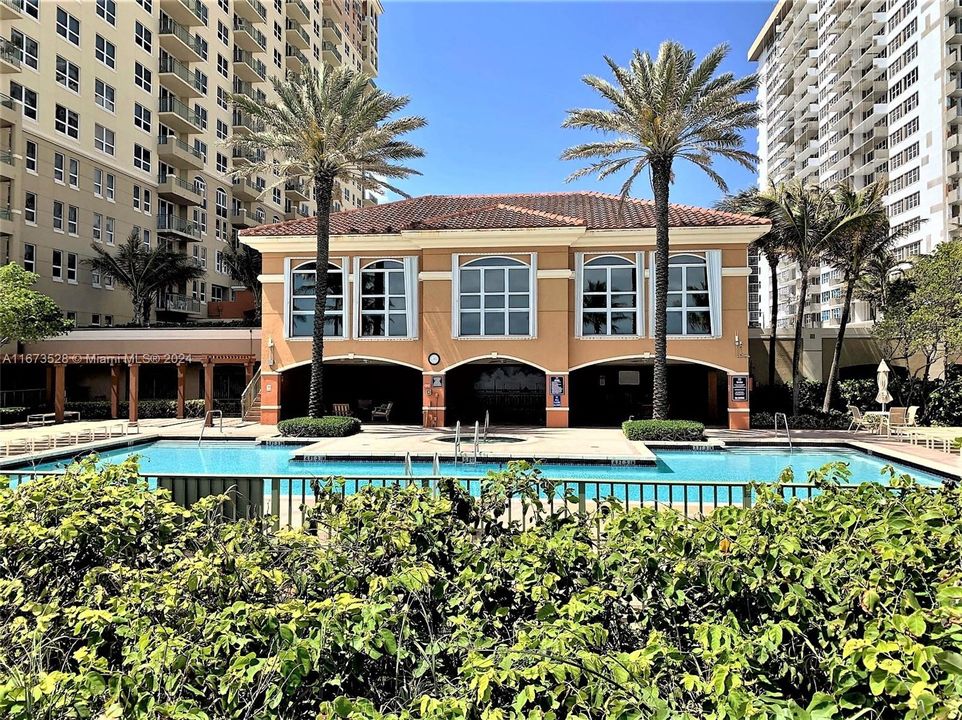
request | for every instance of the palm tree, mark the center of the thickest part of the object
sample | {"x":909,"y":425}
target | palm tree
{"x":661,"y":110}
{"x":143,"y":271}
{"x":770,"y":245}
{"x":326,"y":126}
{"x":868,"y":240}
{"x":244,"y":266}
{"x":874,"y":285}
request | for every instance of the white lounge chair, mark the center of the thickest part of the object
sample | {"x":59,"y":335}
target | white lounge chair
{"x":858,"y":420}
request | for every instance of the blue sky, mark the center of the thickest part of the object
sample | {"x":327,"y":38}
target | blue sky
{"x":494,"y":80}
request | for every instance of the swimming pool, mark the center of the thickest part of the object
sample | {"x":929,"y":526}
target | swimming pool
{"x":728,"y":465}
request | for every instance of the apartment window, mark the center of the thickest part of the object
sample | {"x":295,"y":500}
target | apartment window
{"x":68,"y":27}
{"x":221,"y":163}
{"x":95,"y":317}
{"x":200,"y":79}
{"x":98,"y":182}
{"x":104,"y":95}
{"x":73,"y":175}
{"x":141,"y":158}
{"x":32,"y":8}
{"x":104,"y":139}
{"x":107,"y":9}
{"x":494,"y":297}
{"x":142,"y":77}
{"x":220,"y":203}
{"x":72,"y":214}
{"x":109,"y":284}
{"x":109,"y":238}
{"x":97,"y":229}
{"x":66,"y":121}
{"x":142,"y":36}
{"x":59,"y":161}
{"x":222,"y":130}
{"x":141,"y":117}
{"x":689,"y":308}
{"x":222,"y":66}
{"x":56,"y":265}
{"x":302,"y":301}
{"x":219,"y":263}
{"x":136,"y":197}
{"x":68,"y":74}
{"x":111,"y":187}
{"x":217,"y":293}
{"x":610,"y":296}
{"x":30,"y":156}
{"x":109,"y":319}
{"x":383,"y":309}
{"x":28,"y":47}
{"x":58,"y":215}
{"x":72,"y":268}
{"x":200,"y":147}
{"x":223,"y":33}
{"x":30,"y":208}
{"x":29,"y":257}
{"x":201,"y":113}
{"x":146,"y":201}
{"x":200,"y":220}
{"x":148,"y":6}
{"x":106,"y":52}
{"x":224,"y":5}
{"x":223,"y":98}
{"x":27,"y":99}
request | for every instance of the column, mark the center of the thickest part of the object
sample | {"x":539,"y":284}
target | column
{"x":181,"y":389}
{"x":248,"y":373}
{"x":556,"y":399}
{"x":739,"y":388}
{"x":114,"y":391}
{"x":59,"y":391}
{"x":270,"y":398}
{"x":432,"y":399}
{"x":133,"y":391}
{"x":208,"y":391}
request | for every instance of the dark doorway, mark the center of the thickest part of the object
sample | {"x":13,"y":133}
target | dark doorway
{"x":362,"y":386}
{"x":607,"y":395}
{"x":512,"y":394}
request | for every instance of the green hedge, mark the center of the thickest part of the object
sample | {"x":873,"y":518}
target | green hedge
{"x":833,"y":420}
{"x":330,"y":426}
{"x":677,"y":430}
{"x":12,"y":414}
{"x":150,"y":409}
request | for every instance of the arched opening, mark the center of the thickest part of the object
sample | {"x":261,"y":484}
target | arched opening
{"x":606,"y":394}
{"x":509,"y":391}
{"x":359,"y":383}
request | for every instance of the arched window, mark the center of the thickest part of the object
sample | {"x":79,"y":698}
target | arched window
{"x":609,"y":296}
{"x":383,"y":301}
{"x":494,"y":295}
{"x":303,"y":279}
{"x":689,"y":307}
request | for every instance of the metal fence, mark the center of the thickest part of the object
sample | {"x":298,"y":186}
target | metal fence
{"x":288,"y":500}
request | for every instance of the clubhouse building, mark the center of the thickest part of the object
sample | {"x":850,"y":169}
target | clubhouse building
{"x":530,"y":309}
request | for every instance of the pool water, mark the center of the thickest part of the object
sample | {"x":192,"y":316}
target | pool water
{"x":730,"y":465}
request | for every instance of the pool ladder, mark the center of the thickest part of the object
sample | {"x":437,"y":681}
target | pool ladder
{"x":788,"y":433}
{"x":465,"y":458}
{"x":209,"y":417}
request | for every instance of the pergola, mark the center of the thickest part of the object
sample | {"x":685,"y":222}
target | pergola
{"x":57,"y":363}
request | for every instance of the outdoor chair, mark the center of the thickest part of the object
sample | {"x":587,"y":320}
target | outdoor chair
{"x":895,"y":420}
{"x":858,"y":420}
{"x":382,"y":411}
{"x":342,"y":410}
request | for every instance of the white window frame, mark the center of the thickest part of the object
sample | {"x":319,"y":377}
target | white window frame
{"x":72,"y":265}
{"x":335,"y":265}
{"x":30,"y":264}
{"x":67,"y":76}
{"x":407,"y":268}
{"x":105,"y":95}
{"x":585,"y":262}
{"x":56,"y":265}
{"x":461,"y":262}
{"x":105,"y":51}
{"x":68,"y":27}
{"x":107,"y":9}
{"x":29,"y":48}
{"x":70,"y":126}
{"x":692,"y":260}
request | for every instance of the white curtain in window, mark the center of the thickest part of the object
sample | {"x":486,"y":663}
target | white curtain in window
{"x":640,"y":291}
{"x":455,"y":293}
{"x":579,"y":286}
{"x":411,"y":294}
{"x":714,"y":260}
{"x":356,"y":297}
{"x":651,"y":293}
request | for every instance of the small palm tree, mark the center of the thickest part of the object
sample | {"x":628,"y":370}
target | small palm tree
{"x":328,"y":125}
{"x":661,"y":110}
{"x":874,"y":285}
{"x":143,"y":271}
{"x":244,"y":266}
{"x":770,"y":245}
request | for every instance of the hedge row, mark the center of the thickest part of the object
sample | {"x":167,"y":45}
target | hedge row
{"x":12,"y":414}
{"x":330,"y":426}
{"x":150,"y":409}
{"x":663,"y":430}
{"x":833,"y":420}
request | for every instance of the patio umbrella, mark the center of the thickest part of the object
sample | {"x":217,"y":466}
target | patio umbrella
{"x":882,"y":376}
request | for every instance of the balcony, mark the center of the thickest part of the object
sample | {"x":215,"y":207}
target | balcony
{"x":331,"y":31}
{"x":297,"y":10}
{"x":10,"y":10}
{"x":9,"y":111}
{"x":335,"y":9}
{"x":179,"y":154}
{"x":330,"y":53}
{"x":248,"y":37}
{"x":243,"y":218}
{"x":370,"y":61}
{"x":173,"y":302}
{"x":297,"y":190}
{"x":252,"y":10}
{"x":177,"y":228}
{"x":296,"y":60}
{"x":178,"y":41}
{"x":954,"y":169}
{"x":189,"y":13}
{"x":9,"y":57}
{"x":179,"y":190}
{"x":244,"y":189}
{"x":248,"y":68}
{"x":177,"y":116}
{"x":8,"y":165}
{"x":296,"y":35}
{"x":178,"y":78}
{"x":954,"y":141}
{"x":243,"y":124}
{"x":241,"y":157}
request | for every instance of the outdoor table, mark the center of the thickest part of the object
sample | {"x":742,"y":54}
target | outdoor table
{"x":873,"y":418}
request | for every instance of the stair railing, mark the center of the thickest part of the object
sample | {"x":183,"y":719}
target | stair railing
{"x":249,"y":396}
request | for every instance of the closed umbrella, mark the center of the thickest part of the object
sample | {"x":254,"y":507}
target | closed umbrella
{"x":882,"y":376}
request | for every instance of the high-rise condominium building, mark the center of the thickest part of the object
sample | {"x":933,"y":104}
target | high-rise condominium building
{"x":854,"y":91}
{"x":113,"y":117}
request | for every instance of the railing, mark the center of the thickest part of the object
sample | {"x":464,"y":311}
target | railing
{"x":251,"y":156}
{"x":291,"y":51}
{"x":209,"y":422}
{"x":179,"y":303}
{"x":300,"y":6}
{"x":176,"y":142}
{"x":241,"y":119}
{"x":6,"y":212}
{"x":7,"y":101}
{"x":9,"y":52}
{"x":173,"y":223}
{"x":331,"y":48}
{"x":240,"y":183}
{"x":242,"y":25}
{"x":289,"y":500}
{"x":258,"y":7}
{"x":173,"y":66}
{"x":788,"y":433}
{"x":169,"y":27}
{"x":249,"y":396}
{"x":177,"y":181}
{"x":173,"y":105}
{"x":296,"y":27}
{"x":247,"y":58}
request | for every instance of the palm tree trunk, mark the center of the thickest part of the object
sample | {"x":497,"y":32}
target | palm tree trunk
{"x":773,"y":266}
{"x":660,"y":178}
{"x":837,"y":355}
{"x":323,"y":190}
{"x":797,"y":351}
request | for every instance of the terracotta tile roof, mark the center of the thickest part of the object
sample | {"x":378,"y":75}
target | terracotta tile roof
{"x":592,"y":210}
